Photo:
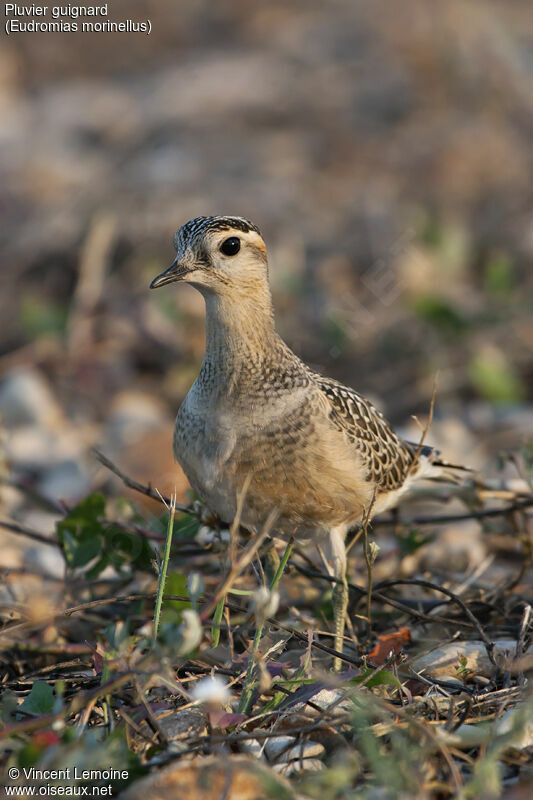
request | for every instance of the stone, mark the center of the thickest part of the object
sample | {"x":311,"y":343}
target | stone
{"x":235,"y":777}
{"x":133,"y":414}
{"x":26,"y":398}
{"x":65,"y":481}
{"x":467,"y":657}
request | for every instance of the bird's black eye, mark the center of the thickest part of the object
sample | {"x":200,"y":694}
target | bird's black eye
{"x":230,"y":246}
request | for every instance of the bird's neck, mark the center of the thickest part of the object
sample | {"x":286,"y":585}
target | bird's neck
{"x":239,"y":332}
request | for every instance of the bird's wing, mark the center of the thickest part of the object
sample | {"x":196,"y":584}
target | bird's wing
{"x":387,"y":458}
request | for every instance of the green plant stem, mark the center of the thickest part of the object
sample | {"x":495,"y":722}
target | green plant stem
{"x":163,"y":570}
{"x":217,"y":618}
{"x":282,"y":565}
{"x":247,"y":689}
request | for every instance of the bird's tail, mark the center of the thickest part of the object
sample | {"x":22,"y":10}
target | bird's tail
{"x":440,"y":462}
{"x":437,"y":468}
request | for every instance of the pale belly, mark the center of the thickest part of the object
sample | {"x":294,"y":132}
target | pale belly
{"x":308,"y":475}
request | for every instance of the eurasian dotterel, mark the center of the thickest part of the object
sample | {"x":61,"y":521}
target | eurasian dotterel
{"x":314,"y":450}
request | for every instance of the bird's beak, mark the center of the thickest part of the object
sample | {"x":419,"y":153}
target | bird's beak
{"x":176,"y":272}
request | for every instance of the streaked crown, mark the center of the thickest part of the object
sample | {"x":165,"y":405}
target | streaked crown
{"x":196,"y":229}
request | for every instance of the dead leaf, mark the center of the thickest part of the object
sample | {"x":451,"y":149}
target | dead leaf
{"x":389,"y":642}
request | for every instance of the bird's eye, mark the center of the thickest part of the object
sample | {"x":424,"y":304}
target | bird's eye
{"x":230,"y":246}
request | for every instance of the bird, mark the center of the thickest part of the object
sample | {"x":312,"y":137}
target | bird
{"x":258,"y":420}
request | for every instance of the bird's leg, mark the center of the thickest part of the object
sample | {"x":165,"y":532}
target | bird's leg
{"x":337,"y":559}
{"x":340,"y":607}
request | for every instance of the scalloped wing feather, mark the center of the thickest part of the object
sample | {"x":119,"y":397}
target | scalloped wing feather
{"x":387,"y":458}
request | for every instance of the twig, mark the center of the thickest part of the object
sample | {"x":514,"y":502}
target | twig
{"x":331,"y":651}
{"x":374,"y":670}
{"x":232,"y":551}
{"x":23,"y":626}
{"x":296,"y":634}
{"x":150,"y":717}
{"x":441,"y":520}
{"x":15,"y":527}
{"x":369,"y":560}
{"x":262,"y":734}
{"x":418,"y":450}
{"x":19,"y":627}
{"x":28,"y":489}
{"x":454,"y":772}
{"x":79,"y":701}
{"x":383,"y":598}
{"x":133,"y":725}
{"x":355,"y":538}
{"x":138,"y":487}
{"x":524,"y":626}
{"x":521,"y":641}
{"x":489,"y":646}
{"x":234,"y":528}
{"x":135,"y":530}
{"x":241,"y":564}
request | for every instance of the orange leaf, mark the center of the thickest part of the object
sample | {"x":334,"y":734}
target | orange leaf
{"x":390,"y":641}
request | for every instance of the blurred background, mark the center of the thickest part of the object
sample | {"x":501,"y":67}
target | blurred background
{"x":386,"y":154}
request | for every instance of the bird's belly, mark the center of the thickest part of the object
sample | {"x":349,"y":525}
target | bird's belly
{"x":309,"y":485}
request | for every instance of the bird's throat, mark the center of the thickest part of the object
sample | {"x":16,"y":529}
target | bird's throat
{"x":238,"y":331}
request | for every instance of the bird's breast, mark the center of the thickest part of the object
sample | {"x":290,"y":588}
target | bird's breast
{"x":281,"y":451}
{"x":204,"y":441}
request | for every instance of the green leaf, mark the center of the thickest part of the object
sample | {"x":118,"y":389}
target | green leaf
{"x":176,"y":583}
{"x":123,"y":548}
{"x":118,"y":637}
{"x":80,"y":532}
{"x":411,"y":541}
{"x":274,"y":702}
{"x":88,"y":540}
{"x":90,"y":509}
{"x":97,"y":568}
{"x":382,"y":678}
{"x":39,"y":701}
{"x":87,"y":547}
{"x":186,"y":526}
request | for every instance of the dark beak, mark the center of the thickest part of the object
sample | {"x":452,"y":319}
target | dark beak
{"x":176,"y":272}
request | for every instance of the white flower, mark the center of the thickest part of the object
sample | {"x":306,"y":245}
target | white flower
{"x":212,"y":690}
{"x":264,"y":603}
{"x":195,"y":587}
{"x":190,"y":631}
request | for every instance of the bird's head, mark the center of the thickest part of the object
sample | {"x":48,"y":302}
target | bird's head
{"x":218,"y":254}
